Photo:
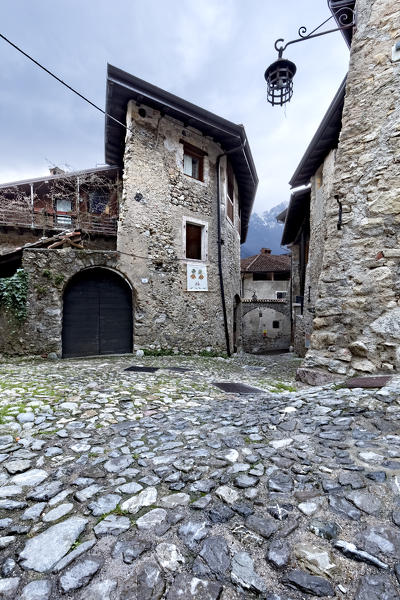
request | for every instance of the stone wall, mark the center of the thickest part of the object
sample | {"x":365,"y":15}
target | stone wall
{"x":48,"y":273}
{"x":321,"y":188}
{"x":357,"y":319}
{"x":259,"y":334}
{"x":297,"y":318}
{"x":157,"y":198}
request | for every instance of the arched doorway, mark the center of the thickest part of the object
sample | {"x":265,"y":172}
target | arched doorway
{"x":265,"y":330}
{"x":97,"y":315}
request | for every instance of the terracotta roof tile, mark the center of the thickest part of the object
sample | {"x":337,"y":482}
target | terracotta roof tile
{"x":260,"y":263}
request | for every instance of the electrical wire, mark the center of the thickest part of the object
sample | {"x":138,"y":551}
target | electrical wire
{"x":38,"y":64}
{"x":62,"y":82}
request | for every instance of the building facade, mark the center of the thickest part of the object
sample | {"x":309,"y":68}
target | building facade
{"x":356,"y":317}
{"x":266,"y":323}
{"x":172,"y":278}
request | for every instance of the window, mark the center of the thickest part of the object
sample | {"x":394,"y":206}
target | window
{"x":282,"y":276}
{"x":195,"y":239}
{"x":63,"y":206}
{"x":281,"y":295}
{"x":193,"y":161}
{"x":262,"y":277}
{"x":275,"y":324}
{"x":98,"y":203}
{"x":230,"y":186}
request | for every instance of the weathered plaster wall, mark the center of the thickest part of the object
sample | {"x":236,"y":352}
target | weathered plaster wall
{"x":357,"y":319}
{"x":263,"y":289}
{"x":157,"y":197}
{"x":48,"y":273}
{"x":259,"y":335}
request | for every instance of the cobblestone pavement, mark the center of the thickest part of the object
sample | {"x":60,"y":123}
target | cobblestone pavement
{"x":119,"y":485}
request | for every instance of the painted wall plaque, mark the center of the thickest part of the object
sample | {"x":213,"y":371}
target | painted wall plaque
{"x":197,"y":278}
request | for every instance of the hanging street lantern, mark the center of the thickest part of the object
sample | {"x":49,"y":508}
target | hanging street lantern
{"x":279,"y":78}
{"x":279,"y":75}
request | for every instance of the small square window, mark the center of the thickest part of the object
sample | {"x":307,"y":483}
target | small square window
{"x":193,"y":160}
{"x":281,"y":295}
{"x":275,"y":324}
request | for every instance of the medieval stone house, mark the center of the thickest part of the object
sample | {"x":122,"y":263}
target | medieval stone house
{"x":265,"y":295}
{"x":166,"y":273}
{"x":343,"y":227}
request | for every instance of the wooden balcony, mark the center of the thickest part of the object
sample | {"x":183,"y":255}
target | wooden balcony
{"x":97,"y":224}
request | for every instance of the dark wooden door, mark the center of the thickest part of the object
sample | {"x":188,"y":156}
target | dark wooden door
{"x":98,"y":316}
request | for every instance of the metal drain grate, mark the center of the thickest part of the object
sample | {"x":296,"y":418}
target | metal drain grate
{"x":368,"y":382}
{"x":237,"y":388}
{"x":142,"y":369}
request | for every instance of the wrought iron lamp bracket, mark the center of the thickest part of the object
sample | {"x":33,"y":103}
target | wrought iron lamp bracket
{"x":345,"y":15}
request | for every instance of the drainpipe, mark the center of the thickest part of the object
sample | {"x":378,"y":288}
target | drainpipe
{"x":291,"y":298}
{"x":220,"y":242}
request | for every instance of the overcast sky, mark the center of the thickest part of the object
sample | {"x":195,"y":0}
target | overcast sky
{"x":210,"y":52}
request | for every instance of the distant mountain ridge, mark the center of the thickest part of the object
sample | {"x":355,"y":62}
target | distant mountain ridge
{"x":264,"y":232}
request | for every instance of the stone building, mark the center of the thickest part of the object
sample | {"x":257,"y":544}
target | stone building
{"x":265,"y":287}
{"x":170,"y":276}
{"x":265,"y":275}
{"x":352,"y":279}
{"x":305,"y":221}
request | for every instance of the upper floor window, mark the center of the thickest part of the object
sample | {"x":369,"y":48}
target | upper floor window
{"x":195,"y":239}
{"x":193,"y":161}
{"x":63,"y":207}
{"x":230,"y":193}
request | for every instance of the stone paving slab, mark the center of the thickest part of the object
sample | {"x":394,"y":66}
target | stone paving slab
{"x":118,"y":485}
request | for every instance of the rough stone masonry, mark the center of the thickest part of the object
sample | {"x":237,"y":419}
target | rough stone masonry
{"x":357,"y":319}
{"x":158,"y":200}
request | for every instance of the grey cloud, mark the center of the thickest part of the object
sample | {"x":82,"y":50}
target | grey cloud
{"x":211,"y":53}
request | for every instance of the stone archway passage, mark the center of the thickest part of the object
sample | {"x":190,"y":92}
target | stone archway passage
{"x":98,"y":315}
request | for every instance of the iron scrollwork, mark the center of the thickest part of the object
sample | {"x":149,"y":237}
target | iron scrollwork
{"x":344,"y":15}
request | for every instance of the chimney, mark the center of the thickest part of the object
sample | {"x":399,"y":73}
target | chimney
{"x":265,"y":251}
{"x":56,"y":171}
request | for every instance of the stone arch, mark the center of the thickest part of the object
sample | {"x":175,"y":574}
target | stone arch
{"x":278,"y":305}
{"x":265,"y":327}
{"x":97,"y":313}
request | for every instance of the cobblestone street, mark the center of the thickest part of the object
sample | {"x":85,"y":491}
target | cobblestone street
{"x":119,"y":485}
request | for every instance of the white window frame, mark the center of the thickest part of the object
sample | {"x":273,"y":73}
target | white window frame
{"x":204,"y":239}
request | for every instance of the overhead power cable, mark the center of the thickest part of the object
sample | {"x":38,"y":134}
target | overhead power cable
{"x":62,"y":82}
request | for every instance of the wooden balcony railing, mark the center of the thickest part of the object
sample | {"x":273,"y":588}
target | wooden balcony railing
{"x":91,"y":223}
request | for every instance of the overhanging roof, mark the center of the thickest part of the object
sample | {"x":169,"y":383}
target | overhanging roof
{"x":265,"y":263}
{"x":338,"y":9}
{"x":122,"y":87}
{"x":297,"y":211}
{"x":325,"y":139}
{"x":65,"y":175}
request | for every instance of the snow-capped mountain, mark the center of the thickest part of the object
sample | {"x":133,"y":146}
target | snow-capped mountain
{"x":264,"y":232}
